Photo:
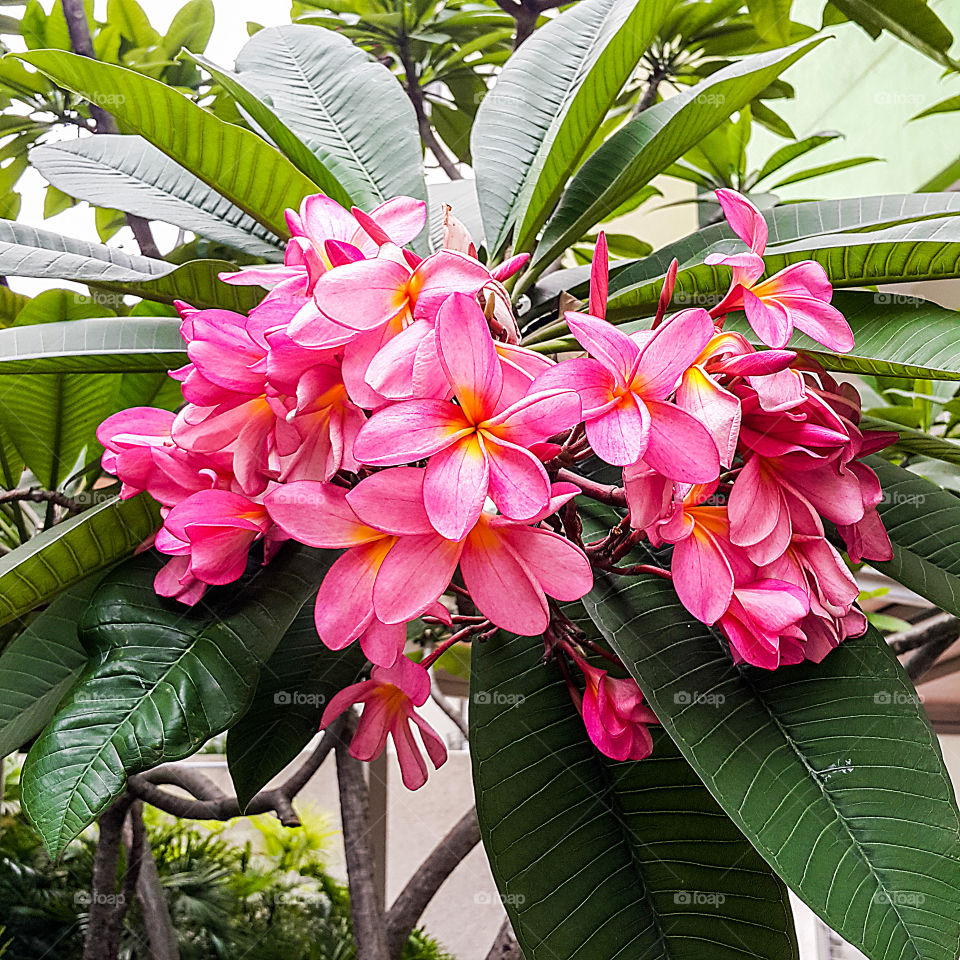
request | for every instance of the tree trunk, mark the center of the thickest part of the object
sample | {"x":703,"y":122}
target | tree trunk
{"x":105,"y":915}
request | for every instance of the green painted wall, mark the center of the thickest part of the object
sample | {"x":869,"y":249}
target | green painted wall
{"x":868,"y":90}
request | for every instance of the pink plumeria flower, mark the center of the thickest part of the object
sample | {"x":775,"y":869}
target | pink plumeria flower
{"x":762,"y":623}
{"x":319,"y":222}
{"x":615,"y":715}
{"x":509,"y":568}
{"x":389,"y":698}
{"x":699,"y":393}
{"x":209,"y":534}
{"x":798,"y":296}
{"x":625,"y":387}
{"x":140,"y":451}
{"x":475,"y":449}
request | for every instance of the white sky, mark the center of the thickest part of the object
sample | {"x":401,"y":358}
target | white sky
{"x":229,"y":35}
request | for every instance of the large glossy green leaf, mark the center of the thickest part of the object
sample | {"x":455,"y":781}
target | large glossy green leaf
{"x":550,"y":97}
{"x":649,"y":143}
{"x":163,"y":680}
{"x":831,"y":770}
{"x":912,"y":250}
{"x":51,"y":418}
{"x":237,"y":163}
{"x":72,"y":550}
{"x":296,"y":684}
{"x":128,"y":173}
{"x":40,"y":665}
{"x":96,"y":345}
{"x":923,"y":521}
{"x":597,"y":859}
{"x":348,"y":109}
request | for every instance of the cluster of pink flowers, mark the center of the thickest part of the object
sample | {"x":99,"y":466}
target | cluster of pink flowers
{"x":380,"y":404}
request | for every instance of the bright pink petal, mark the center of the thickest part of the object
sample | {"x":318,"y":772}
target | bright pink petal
{"x":468,"y":356}
{"x":770,"y":321}
{"x":620,"y":435}
{"x":518,"y":482}
{"x":702,"y":576}
{"x":393,"y":501}
{"x":441,"y":275}
{"x":670,"y":352}
{"x":318,"y":515}
{"x":363,"y":295}
{"x":536,"y":417}
{"x":415,"y":572}
{"x":383,"y":643}
{"x":744,"y":218}
{"x":345,"y":599}
{"x":717,"y":409}
{"x":589,"y":378}
{"x":680,"y":446}
{"x":599,"y":278}
{"x":561,"y":568}
{"x":603,"y":341}
{"x":455,"y":487}
{"x":409,"y":431}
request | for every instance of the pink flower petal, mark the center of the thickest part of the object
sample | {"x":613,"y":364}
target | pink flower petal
{"x":318,"y":515}
{"x":599,"y":278}
{"x":409,"y":431}
{"x":702,"y":576}
{"x":392,"y":500}
{"x":468,"y":356}
{"x":455,"y":487}
{"x":674,"y":348}
{"x":770,"y":321}
{"x":413,"y":575}
{"x":603,"y":341}
{"x":345,"y":600}
{"x":363,"y":295}
{"x":518,"y":482}
{"x":744,"y":218}
{"x":560,"y":567}
{"x":680,"y":446}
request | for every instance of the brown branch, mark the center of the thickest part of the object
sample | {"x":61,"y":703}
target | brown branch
{"x":505,"y":947}
{"x":41,"y":496}
{"x":103,"y":927}
{"x":924,"y":658}
{"x":209,"y":802}
{"x":369,"y":929}
{"x":658,"y":74}
{"x":424,"y":884}
{"x":603,"y":492}
{"x":526,"y":13}
{"x":154,"y":908}
{"x":922,"y":633}
{"x":415,"y":93}
{"x":75,"y":13}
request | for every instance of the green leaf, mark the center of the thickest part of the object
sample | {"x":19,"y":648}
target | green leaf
{"x":895,"y":335}
{"x":598,"y":859}
{"x":191,"y":28}
{"x":824,"y":169}
{"x":164,"y":679}
{"x":950,"y":105}
{"x":349,"y":110}
{"x":916,"y":441}
{"x":51,"y":418}
{"x":551,"y":96}
{"x":40,"y":665}
{"x":831,"y":770}
{"x":912,"y":21}
{"x":130,"y":174}
{"x":923,"y":522}
{"x":133,"y":23}
{"x":99,"y":345}
{"x":56,"y":306}
{"x":649,"y":143}
{"x":772,"y":19}
{"x":11,"y":463}
{"x":72,"y":550}
{"x":296,"y":685}
{"x":908,"y":251}
{"x":235,"y":162}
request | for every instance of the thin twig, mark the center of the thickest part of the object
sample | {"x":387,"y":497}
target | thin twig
{"x":41,"y":496}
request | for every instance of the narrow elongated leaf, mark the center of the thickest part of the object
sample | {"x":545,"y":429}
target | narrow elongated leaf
{"x":950,"y":105}
{"x":296,"y":684}
{"x":824,"y":169}
{"x":40,"y":665}
{"x":72,"y":550}
{"x":164,"y":679}
{"x":923,"y":521}
{"x":649,"y":143}
{"x":791,"y":151}
{"x":128,"y":173}
{"x":51,"y":419}
{"x":237,"y":163}
{"x":97,"y":345}
{"x":28,"y":252}
{"x":912,"y":21}
{"x":266,"y":118}
{"x":831,"y":770}
{"x":347,"y":109}
{"x":548,"y":101}
{"x":595,"y":858}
